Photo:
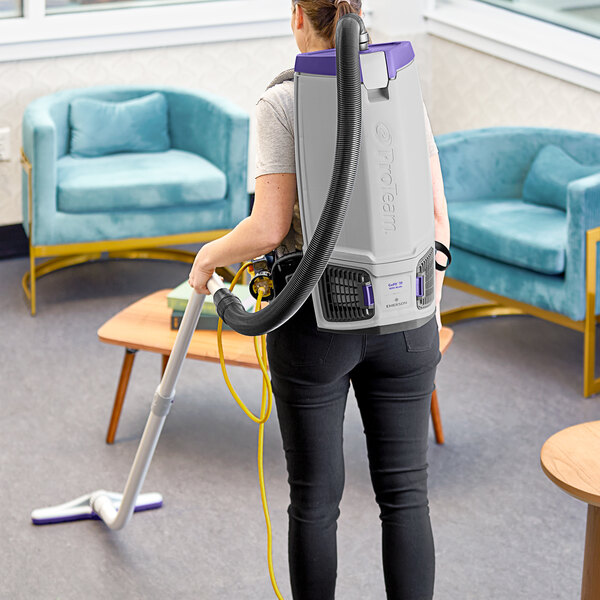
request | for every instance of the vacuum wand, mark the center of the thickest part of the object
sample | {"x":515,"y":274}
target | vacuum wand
{"x":116,"y":509}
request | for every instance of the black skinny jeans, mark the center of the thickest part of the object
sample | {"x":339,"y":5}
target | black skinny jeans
{"x":393,"y":378}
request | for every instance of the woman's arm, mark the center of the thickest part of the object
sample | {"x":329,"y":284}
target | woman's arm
{"x":257,"y":234}
{"x":442,"y":224}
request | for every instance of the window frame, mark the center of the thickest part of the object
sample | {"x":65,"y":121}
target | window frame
{"x":549,"y":48}
{"x":37,"y":35}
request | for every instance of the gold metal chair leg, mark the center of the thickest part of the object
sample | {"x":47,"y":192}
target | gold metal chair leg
{"x":478,"y":310}
{"x":155,"y":254}
{"x":591,"y":384}
{"x":28,"y":281}
{"x":168,"y":254}
{"x":62,"y":262}
{"x":54,"y":264}
{"x":32,"y":283}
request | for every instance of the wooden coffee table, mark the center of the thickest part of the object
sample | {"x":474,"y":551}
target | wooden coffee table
{"x":145,"y":325}
{"x":571,"y":459}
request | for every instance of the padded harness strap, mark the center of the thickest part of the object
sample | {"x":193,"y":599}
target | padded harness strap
{"x":287,"y":75}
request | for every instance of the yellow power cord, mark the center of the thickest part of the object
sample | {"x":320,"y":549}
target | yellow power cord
{"x":265,"y":413}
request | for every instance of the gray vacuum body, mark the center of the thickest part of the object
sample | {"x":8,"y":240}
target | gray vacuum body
{"x":381,"y":275}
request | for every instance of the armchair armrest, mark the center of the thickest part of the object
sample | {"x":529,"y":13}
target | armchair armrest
{"x":216,"y":129}
{"x":583,"y":213}
{"x":39,"y":146}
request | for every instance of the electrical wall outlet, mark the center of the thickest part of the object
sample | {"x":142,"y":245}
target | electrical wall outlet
{"x":4,"y":143}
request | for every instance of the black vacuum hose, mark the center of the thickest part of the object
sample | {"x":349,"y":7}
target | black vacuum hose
{"x":349,"y":33}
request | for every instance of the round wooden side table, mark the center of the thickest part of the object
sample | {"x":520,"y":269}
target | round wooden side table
{"x":571,"y":459}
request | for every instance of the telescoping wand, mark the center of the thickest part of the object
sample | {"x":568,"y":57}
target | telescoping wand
{"x":116,"y":509}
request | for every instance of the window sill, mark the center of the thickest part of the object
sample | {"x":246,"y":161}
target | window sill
{"x":134,"y":28}
{"x":541,"y":46}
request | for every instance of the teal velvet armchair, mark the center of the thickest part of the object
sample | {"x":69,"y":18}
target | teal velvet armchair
{"x":524,"y":209}
{"x":128,"y":170}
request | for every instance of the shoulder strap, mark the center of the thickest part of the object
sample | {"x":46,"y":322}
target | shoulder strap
{"x":287,"y":75}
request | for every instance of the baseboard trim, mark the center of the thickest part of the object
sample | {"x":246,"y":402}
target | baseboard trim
{"x":13,"y":241}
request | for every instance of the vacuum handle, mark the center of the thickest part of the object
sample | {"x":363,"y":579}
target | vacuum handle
{"x":184,"y":337}
{"x":214,"y":284}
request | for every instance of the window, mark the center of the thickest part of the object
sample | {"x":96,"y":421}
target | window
{"x":509,"y":30}
{"x":579,"y":15}
{"x":10,"y":8}
{"x":44,"y":28}
{"x":68,"y":6}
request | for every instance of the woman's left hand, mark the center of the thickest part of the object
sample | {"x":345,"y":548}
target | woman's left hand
{"x":200,"y":273}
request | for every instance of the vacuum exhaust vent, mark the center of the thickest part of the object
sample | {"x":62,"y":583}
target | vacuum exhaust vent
{"x":346,"y":294}
{"x":425,"y":280}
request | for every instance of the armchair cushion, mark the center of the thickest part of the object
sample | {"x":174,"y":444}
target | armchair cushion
{"x":508,"y":230}
{"x":99,"y":128}
{"x":550,"y":174}
{"x":137,"y":181}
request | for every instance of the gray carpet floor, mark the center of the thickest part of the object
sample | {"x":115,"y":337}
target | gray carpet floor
{"x":502,"y":529}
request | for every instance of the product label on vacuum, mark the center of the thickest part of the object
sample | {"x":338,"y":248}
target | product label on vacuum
{"x":397,"y":293}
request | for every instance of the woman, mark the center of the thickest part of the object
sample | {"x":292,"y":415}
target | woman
{"x":392,"y":375}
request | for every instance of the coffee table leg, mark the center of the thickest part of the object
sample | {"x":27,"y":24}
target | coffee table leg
{"x":590,"y":586}
{"x":120,"y":396}
{"x":165,"y":360}
{"x":436,"y":418}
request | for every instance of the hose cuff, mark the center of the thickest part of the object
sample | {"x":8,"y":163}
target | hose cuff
{"x":223,"y":299}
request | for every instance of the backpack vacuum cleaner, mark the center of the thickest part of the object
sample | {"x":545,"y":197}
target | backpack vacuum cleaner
{"x":369,"y":249}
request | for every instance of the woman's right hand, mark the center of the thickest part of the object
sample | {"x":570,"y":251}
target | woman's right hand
{"x":201,"y":272}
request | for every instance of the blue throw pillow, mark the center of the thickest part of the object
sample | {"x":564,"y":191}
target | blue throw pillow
{"x":550,"y":174}
{"x":99,"y":128}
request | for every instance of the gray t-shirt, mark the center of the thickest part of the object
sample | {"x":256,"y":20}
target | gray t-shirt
{"x":275,"y":152}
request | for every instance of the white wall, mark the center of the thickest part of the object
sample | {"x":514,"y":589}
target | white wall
{"x":471,"y":89}
{"x":393,"y":18}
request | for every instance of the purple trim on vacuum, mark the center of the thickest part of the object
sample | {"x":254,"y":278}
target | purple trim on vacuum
{"x":322,"y":62}
{"x":420,"y":287}
{"x":149,"y":506}
{"x":368,"y":296}
{"x":91,"y":516}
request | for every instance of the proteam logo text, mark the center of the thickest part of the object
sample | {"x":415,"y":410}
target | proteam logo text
{"x":387,"y":187}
